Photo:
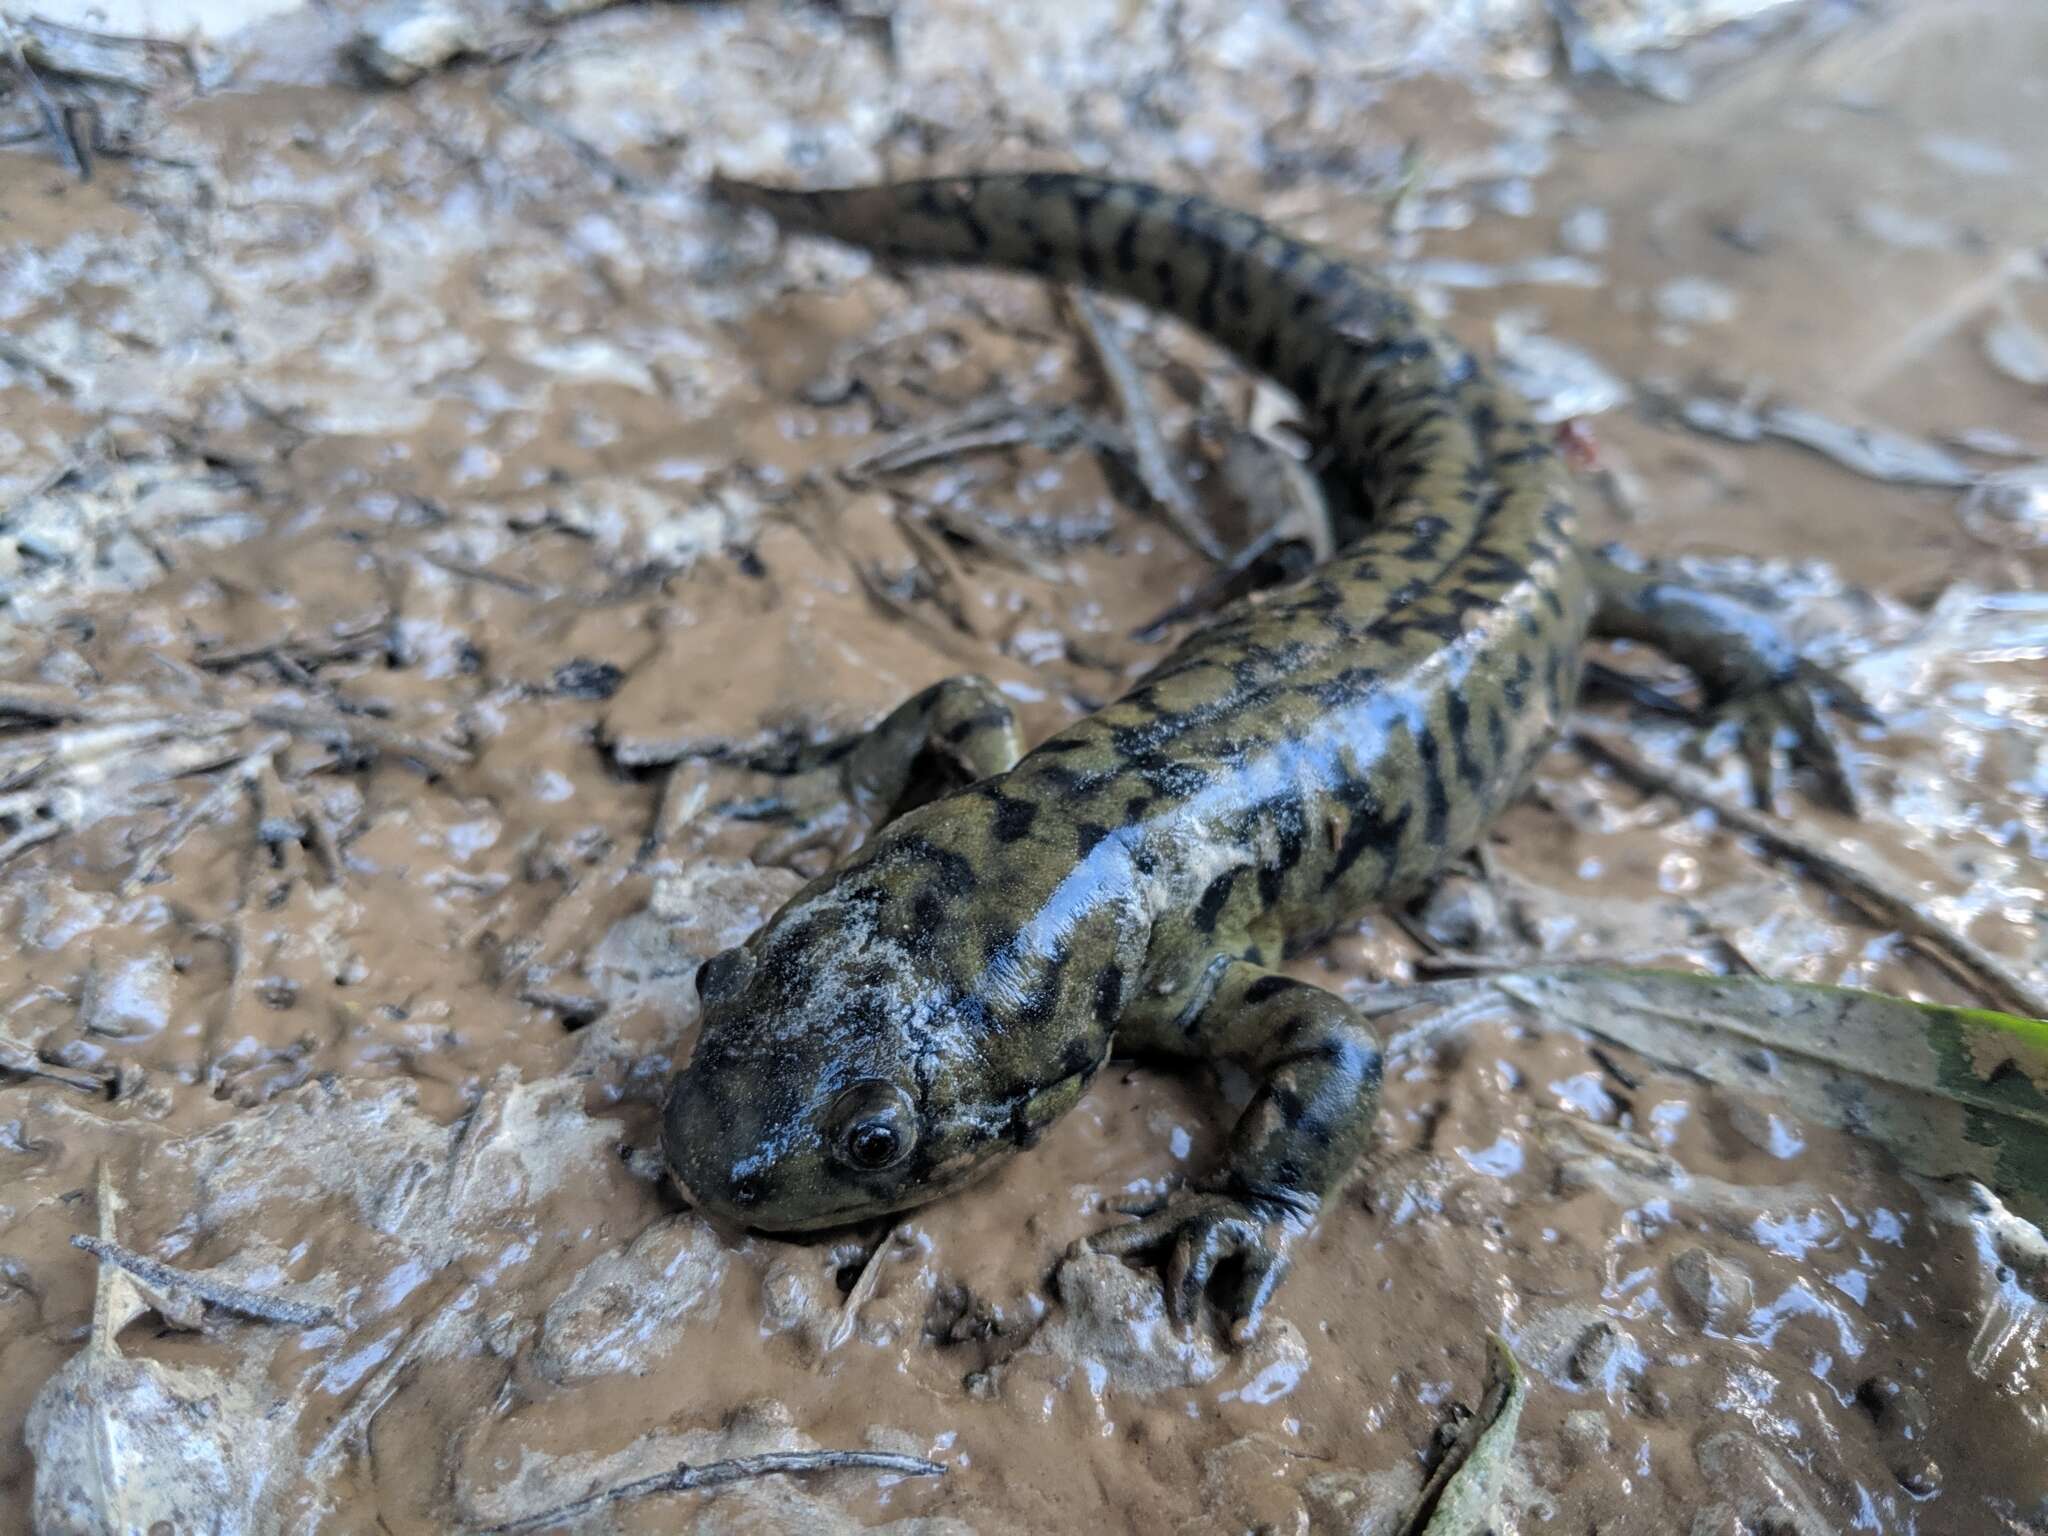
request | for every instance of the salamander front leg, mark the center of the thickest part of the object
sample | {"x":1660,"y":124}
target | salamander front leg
{"x":959,"y":729}
{"x":1318,"y":1065}
{"x":1749,"y":671}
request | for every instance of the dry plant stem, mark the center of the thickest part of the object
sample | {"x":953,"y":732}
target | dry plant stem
{"x":358,"y":731}
{"x":1148,"y":446}
{"x":685,"y":1478}
{"x":1970,"y":961}
{"x":981,"y":426}
{"x":28,"y":837}
{"x":53,"y":120}
{"x":40,"y":701}
{"x":685,"y":795}
{"x":224,"y":1294}
{"x":857,"y":1297}
{"x":22,"y":1060}
{"x":238,"y":776}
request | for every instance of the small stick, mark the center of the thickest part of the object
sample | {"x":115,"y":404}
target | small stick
{"x":31,"y":834}
{"x":40,"y":701}
{"x":21,"y":1059}
{"x":1148,"y":446}
{"x":987,"y":424}
{"x":685,"y":1478}
{"x":224,"y":1294}
{"x":685,"y":794}
{"x":53,"y":120}
{"x":1961,"y":954}
{"x":858,"y":1294}
{"x":355,"y":730}
{"x":237,"y":776}
{"x":473,"y":572}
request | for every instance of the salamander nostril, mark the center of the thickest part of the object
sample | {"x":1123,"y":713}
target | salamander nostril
{"x":747,"y":1190}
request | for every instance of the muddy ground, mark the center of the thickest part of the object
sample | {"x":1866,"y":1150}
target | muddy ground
{"x":419,"y":503}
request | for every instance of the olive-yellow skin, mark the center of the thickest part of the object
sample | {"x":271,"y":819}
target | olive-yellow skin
{"x":939,"y":999}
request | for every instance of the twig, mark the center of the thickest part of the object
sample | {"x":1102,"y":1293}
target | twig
{"x":32,"y":833}
{"x":986,"y":424}
{"x":237,"y":776}
{"x":473,"y":572}
{"x":22,"y":1060}
{"x":224,"y":1294}
{"x":40,"y":701}
{"x":53,"y":120}
{"x":858,"y":1295}
{"x":685,"y":1478}
{"x":1148,"y":446}
{"x":685,"y":793}
{"x":357,"y":731}
{"x":1904,"y":910}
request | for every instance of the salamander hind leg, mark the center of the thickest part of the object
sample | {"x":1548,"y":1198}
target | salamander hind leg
{"x":944,"y":737}
{"x":1317,"y":1062}
{"x":1752,"y":675}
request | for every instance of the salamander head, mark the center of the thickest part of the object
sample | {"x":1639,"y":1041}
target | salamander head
{"x":845,"y":1069}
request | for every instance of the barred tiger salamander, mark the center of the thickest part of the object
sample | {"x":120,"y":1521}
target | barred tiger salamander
{"x":938,"y":1000}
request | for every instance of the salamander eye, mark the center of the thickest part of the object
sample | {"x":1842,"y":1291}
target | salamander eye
{"x":873,"y":1125}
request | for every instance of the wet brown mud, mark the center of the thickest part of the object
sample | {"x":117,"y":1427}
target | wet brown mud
{"x":422,"y":504}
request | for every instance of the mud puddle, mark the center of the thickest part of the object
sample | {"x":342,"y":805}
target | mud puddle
{"x":421,"y":507}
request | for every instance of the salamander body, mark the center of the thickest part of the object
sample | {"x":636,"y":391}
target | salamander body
{"x":940,"y":998}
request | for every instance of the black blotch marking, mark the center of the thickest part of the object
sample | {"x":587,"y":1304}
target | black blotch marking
{"x":995,"y":943}
{"x":1078,"y":1059}
{"x":1135,"y":808}
{"x":1039,"y":1008}
{"x":952,"y":873}
{"x":976,"y":230}
{"x":1369,"y":826}
{"x":1266,"y":988}
{"x":1086,"y":835}
{"x":1436,"y":799}
{"x":1497,"y":734}
{"x":1458,"y":716}
{"x":1290,"y":1104}
{"x":1515,"y":687}
{"x":1109,"y":994}
{"x":1126,"y":250}
{"x":1167,"y":281}
{"x":987,"y":720}
{"x":928,"y":912}
{"x":1013,"y":819}
{"x":1210,"y":907}
{"x":1205,"y":301}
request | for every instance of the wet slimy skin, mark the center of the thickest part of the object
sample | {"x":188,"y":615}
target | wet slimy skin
{"x":937,"y":1001}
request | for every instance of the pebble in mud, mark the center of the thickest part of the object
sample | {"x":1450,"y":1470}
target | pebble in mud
{"x":400,"y":42}
{"x":626,"y":1310}
{"x":1903,"y":1417}
{"x":1375,"y":1504}
{"x":1710,"y":1292}
{"x":1113,"y":1317}
{"x":134,"y":997}
{"x":128,"y":1445}
{"x":1462,"y":914}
